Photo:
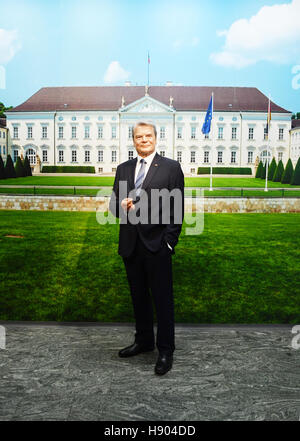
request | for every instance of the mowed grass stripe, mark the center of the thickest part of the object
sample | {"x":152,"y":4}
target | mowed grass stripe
{"x":109,"y":180}
{"x":244,"y":268}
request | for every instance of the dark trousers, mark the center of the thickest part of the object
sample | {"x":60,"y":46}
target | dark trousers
{"x":147,"y":271}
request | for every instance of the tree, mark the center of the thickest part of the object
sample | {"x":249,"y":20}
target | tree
{"x":271,"y":169}
{"x":259,"y":170}
{"x":27,"y":167}
{"x":296,"y":175}
{"x":278,"y":172}
{"x":3,"y":109}
{"x":2,"y":169}
{"x":263,"y":171}
{"x":9,"y":168}
{"x":19,"y":168}
{"x":288,"y":173}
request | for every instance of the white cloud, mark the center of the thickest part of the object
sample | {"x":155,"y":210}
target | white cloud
{"x":115,"y":73}
{"x":273,"y":34}
{"x":9,"y":45}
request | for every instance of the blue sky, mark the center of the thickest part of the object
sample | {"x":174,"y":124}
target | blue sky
{"x":195,"y":42}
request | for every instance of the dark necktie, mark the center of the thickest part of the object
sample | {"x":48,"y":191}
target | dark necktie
{"x":140,"y":177}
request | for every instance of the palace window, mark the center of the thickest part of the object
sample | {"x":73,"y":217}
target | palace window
{"x":29,"y":132}
{"x":206,"y":157}
{"x":114,"y":156}
{"x":220,"y":132}
{"x":193,"y":132}
{"x":87,"y":156}
{"x":281,"y":134}
{"x":16,"y":132}
{"x":233,"y":157}
{"x":220,"y":157}
{"x":15,"y":155}
{"x":87,"y":132}
{"x":162,"y":133}
{"x":31,"y":156}
{"x":250,"y":157}
{"x":74,"y":132}
{"x":130,"y":154}
{"x":251,"y":133}
{"x":113,"y":132}
{"x":179,"y":157}
{"x":60,"y":156}
{"x":130,"y":132}
{"x":44,"y":132}
{"x":193,"y":157}
{"x":100,"y":155}
{"x":233,"y":132}
{"x":60,"y":132}
{"x":179,"y":132}
{"x":162,"y":153}
{"x":45,"y":155}
{"x":74,"y":155}
{"x":100,"y":132}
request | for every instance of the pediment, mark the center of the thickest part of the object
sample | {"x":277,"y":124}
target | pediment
{"x":147,"y":105}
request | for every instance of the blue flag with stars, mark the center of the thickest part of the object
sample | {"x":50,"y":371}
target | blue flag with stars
{"x":208,"y":118}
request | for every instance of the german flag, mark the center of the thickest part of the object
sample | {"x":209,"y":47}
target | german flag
{"x":268,"y":119}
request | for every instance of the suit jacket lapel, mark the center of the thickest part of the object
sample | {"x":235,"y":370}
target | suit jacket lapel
{"x":131,"y":175}
{"x":152,"y":170}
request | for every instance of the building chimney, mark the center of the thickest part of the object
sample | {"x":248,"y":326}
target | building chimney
{"x":169,"y":83}
{"x":127,"y":83}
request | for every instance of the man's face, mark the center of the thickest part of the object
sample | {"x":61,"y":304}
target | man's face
{"x":144,"y":140}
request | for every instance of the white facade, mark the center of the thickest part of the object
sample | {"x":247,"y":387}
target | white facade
{"x":3,"y":143}
{"x":295,"y":145}
{"x":103,"y":138}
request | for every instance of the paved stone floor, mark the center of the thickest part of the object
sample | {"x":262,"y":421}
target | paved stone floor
{"x":73,"y":372}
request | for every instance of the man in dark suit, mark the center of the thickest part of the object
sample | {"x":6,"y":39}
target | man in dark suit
{"x":149,"y":231}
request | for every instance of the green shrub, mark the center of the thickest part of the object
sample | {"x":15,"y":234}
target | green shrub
{"x":9,"y":168}
{"x":288,"y":173}
{"x":27,"y":167}
{"x":296,"y":175}
{"x":68,"y":169}
{"x":19,"y":168}
{"x":2,"y":169}
{"x":259,"y":170}
{"x":271,"y":169}
{"x":225,"y":170}
{"x":278,"y":172}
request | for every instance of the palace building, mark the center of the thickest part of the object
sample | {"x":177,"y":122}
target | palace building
{"x":93,"y":126}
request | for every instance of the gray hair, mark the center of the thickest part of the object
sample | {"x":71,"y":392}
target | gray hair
{"x":142,"y":124}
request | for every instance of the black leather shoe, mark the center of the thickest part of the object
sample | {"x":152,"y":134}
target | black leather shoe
{"x":163,"y":364}
{"x":135,"y":349}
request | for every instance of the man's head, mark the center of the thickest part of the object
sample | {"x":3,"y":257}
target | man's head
{"x":144,"y":138}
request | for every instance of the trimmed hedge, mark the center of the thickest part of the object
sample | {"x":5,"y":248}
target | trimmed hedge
{"x":225,"y":171}
{"x":68,"y":169}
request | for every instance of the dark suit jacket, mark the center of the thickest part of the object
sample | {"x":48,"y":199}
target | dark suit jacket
{"x":163,"y":173}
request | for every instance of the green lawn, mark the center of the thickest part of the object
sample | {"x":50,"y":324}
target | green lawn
{"x":244,"y":268}
{"x":108,"y":181}
{"x":106,"y":191}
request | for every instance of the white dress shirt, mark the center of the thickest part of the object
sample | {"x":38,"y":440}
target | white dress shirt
{"x":148,"y":160}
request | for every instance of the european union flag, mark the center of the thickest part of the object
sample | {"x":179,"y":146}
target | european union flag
{"x":208,"y":118}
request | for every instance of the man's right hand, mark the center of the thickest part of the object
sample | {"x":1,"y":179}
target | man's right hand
{"x":127,"y":204}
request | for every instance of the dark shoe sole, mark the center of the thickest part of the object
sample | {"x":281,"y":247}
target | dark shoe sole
{"x":136,"y":353}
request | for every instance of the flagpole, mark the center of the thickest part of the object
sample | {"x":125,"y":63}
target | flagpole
{"x":212,"y":141}
{"x":268,"y":144}
{"x":148,"y":67}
